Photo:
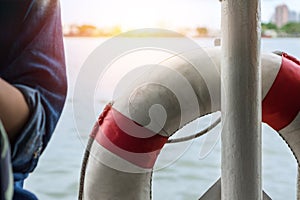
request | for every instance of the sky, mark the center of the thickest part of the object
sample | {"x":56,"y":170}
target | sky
{"x":132,"y":14}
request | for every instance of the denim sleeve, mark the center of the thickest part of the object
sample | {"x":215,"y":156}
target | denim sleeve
{"x":29,"y":144}
{"x":33,"y":61}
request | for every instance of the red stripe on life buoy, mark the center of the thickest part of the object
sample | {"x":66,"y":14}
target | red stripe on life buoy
{"x":140,"y":151}
{"x":282,"y":103}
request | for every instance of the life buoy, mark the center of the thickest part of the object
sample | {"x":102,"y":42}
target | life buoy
{"x":126,"y":141}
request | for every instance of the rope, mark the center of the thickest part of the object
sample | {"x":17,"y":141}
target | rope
{"x":83,"y":167}
{"x":190,"y":137}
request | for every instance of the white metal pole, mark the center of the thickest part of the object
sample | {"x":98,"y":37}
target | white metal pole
{"x":241,"y":100}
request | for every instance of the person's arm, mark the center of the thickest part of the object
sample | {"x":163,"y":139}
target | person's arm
{"x":33,"y":62}
{"x":14,"y":110}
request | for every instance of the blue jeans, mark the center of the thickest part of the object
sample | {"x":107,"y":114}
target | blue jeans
{"x":19,"y":192}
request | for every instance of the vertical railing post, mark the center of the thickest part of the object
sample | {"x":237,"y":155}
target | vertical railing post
{"x":241,"y":100}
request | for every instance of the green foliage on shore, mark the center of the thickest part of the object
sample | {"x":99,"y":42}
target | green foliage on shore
{"x":291,"y":28}
{"x":268,"y":26}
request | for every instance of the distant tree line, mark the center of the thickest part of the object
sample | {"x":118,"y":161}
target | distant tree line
{"x":87,"y":30}
{"x":289,"y":28}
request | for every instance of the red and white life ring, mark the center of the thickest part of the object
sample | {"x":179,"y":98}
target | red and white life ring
{"x":125,"y":147}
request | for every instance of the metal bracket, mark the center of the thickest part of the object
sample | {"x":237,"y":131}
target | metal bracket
{"x":214,"y":192}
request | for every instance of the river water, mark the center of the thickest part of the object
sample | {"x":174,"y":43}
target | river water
{"x":57,"y":174}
